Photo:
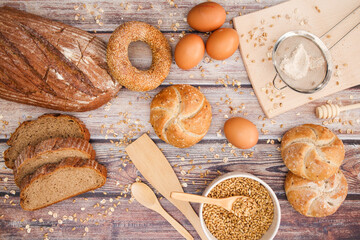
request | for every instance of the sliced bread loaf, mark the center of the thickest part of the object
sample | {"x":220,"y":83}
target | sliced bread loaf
{"x":55,"y":182}
{"x":52,"y":150}
{"x":30,"y":133}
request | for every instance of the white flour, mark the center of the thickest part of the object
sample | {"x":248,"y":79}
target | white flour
{"x":302,"y":64}
{"x":297,"y":65}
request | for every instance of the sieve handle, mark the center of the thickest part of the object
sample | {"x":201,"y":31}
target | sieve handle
{"x":274,"y":83}
{"x":342,"y":28}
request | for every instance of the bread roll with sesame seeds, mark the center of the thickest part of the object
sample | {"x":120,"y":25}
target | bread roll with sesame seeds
{"x":180,"y":115}
{"x":316,"y":199}
{"x":120,"y":66}
{"x":312,"y":151}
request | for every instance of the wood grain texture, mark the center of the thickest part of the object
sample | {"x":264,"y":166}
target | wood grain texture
{"x":128,"y":115}
{"x":113,"y":13}
{"x":259,"y":31}
{"x":223,"y":101}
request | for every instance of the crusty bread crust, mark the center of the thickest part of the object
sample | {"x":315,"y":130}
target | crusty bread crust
{"x":51,"y":168}
{"x":180,"y":115}
{"x":52,"y":145}
{"x":11,"y":163}
{"x":52,"y":65}
{"x":120,"y":66}
{"x":312,"y":151}
{"x":316,"y":199}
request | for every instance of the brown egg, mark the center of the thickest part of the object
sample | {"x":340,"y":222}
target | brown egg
{"x":241,"y":133}
{"x":189,"y":51}
{"x":206,"y":17}
{"x":222,"y":43}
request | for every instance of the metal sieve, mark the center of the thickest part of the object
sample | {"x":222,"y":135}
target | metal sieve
{"x":325,"y":54}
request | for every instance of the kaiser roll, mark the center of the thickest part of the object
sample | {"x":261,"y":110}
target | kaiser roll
{"x":180,"y":115}
{"x":312,"y":151}
{"x":316,"y":199}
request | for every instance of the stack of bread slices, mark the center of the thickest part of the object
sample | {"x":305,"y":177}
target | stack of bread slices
{"x":52,"y":160}
{"x":315,"y":185}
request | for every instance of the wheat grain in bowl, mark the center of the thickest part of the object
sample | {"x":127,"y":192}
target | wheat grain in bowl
{"x":220,"y":224}
{"x":244,"y":207}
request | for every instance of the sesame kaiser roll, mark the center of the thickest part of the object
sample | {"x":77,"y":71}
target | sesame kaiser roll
{"x":312,"y":151}
{"x":180,"y":115}
{"x":120,"y":66}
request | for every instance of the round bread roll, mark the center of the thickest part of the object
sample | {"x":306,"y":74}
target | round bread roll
{"x":312,"y":151}
{"x":180,"y":115}
{"x":316,"y":199}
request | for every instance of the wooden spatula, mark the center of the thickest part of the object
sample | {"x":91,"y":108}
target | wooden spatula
{"x":153,"y":165}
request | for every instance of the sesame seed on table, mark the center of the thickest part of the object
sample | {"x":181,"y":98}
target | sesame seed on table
{"x":110,"y":212}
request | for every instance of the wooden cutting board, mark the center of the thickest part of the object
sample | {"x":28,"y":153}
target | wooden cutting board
{"x":335,"y":22}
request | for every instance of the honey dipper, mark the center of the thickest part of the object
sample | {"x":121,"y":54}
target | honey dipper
{"x":333,"y":110}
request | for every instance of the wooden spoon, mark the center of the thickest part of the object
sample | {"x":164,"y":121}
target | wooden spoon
{"x":145,"y":196}
{"x":238,"y":205}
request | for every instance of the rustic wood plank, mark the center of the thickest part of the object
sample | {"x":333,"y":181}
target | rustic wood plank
{"x":105,"y":120}
{"x":114,"y":13}
{"x":133,"y":221}
{"x":264,"y":162}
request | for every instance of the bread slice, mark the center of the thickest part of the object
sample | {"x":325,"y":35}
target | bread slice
{"x":52,"y":150}
{"x":31,"y":133}
{"x":55,"y":182}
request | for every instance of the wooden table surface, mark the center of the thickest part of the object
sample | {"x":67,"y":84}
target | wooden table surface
{"x":109,"y":212}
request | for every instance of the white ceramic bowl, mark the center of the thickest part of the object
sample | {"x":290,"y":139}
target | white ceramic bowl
{"x":274,"y":227}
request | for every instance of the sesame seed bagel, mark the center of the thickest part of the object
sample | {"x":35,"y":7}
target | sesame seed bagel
{"x":120,"y":66}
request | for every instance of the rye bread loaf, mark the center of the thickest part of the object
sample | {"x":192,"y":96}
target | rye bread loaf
{"x":31,"y":133}
{"x":312,"y":151}
{"x":55,"y":182}
{"x":52,"y":150}
{"x":51,"y":64}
